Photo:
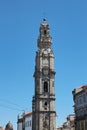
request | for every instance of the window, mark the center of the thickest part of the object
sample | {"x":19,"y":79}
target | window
{"x":45,"y":105}
{"x":45,"y":86}
{"x":45,"y":32}
{"x":30,"y":123}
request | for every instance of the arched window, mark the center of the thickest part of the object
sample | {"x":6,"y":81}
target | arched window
{"x":45,"y":105}
{"x":45,"y":32}
{"x":45,"y":86}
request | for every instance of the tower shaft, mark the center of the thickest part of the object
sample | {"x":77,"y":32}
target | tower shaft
{"x":43,"y":103}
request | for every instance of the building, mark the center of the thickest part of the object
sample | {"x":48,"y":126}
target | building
{"x":20,"y":122}
{"x":43,"y":102}
{"x":80,"y":107}
{"x":24,"y":121}
{"x":69,"y":124}
{"x":9,"y":126}
{"x":1,"y":128}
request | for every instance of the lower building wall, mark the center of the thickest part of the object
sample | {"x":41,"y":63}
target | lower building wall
{"x":19,"y":126}
{"x":81,"y":125}
{"x":28,"y":123}
{"x":25,"y":122}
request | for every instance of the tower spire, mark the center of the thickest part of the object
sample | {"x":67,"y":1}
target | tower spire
{"x":44,"y":40}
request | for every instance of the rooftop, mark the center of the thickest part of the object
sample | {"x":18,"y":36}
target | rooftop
{"x":79,"y":89}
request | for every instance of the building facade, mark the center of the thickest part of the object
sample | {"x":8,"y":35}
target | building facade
{"x":43,"y":103}
{"x":24,"y":121}
{"x":69,"y":124}
{"x":80,"y":107}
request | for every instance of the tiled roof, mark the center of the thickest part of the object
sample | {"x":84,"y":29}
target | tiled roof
{"x":27,"y":113}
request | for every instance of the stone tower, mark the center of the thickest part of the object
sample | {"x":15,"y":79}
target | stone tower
{"x":43,"y":103}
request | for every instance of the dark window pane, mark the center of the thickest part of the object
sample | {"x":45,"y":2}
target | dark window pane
{"x":45,"y":87}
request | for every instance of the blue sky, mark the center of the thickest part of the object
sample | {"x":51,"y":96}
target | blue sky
{"x":19,"y":29}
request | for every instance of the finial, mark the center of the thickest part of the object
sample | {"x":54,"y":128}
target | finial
{"x":44,"y":19}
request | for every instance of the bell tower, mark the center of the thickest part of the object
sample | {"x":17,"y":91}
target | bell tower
{"x":43,"y":102}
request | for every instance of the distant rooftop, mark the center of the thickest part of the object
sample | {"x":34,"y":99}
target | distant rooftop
{"x":79,"y":89}
{"x":25,"y":114}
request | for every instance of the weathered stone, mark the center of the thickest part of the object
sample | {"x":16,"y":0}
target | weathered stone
{"x":43,"y":103}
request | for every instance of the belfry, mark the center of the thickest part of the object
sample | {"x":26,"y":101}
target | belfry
{"x":43,"y":102}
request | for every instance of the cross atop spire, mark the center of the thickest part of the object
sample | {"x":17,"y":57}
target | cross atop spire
{"x":44,"y":19}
